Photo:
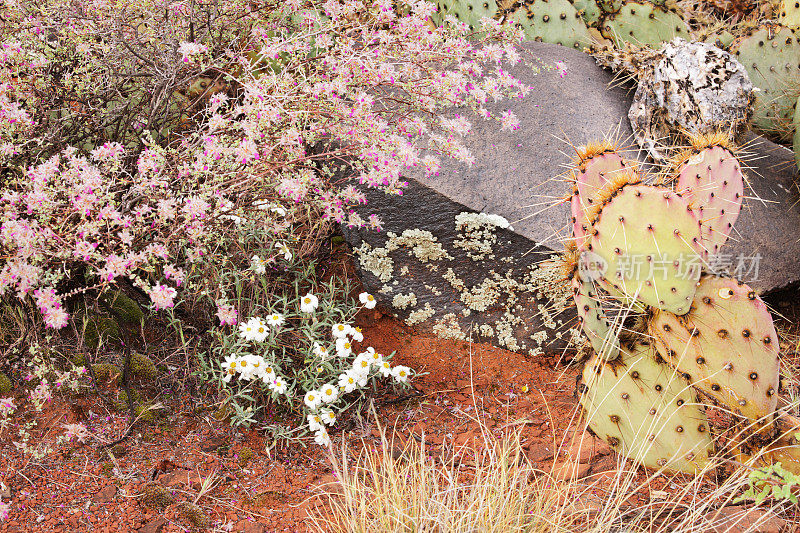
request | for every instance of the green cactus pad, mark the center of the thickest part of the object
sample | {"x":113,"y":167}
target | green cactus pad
{"x":588,"y":10}
{"x":646,"y":412}
{"x":123,"y":307}
{"x":590,"y":177}
{"x":643,"y":24}
{"x":553,"y":21}
{"x":790,"y":13}
{"x":770,"y":54}
{"x":713,"y":184}
{"x":469,"y":11}
{"x":595,"y":323}
{"x":726,"y":344}
{"x":650,"y":239}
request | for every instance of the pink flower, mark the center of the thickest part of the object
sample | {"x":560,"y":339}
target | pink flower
{"x":162,"y":296}
{"x":228,"y":316}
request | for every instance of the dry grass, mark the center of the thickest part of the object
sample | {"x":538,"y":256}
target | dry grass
{"x":494,"y":488}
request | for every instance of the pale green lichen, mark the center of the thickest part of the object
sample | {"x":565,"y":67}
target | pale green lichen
{"x":505,"y":332}
{"x":404,"y":270}
{"x":454,"y":281}
{"x":420,"y":315}
{"x":486,"y":330}
{"x":448,"y":327}
{"x":385,"y":289}
{"x":466,"y":311}
{"x":434,"y":290}
{"x":478,"y":230}
{"x":481,"y":297}
{"x":403,"y":301}
{"x":376,"y":261}
{"x":421,"y":243}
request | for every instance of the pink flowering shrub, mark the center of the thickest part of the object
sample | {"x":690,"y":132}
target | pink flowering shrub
{"x":133,"y":153}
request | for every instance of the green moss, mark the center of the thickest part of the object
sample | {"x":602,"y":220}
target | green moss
{"x":157,"y":496}
{"x":245,"y":455}
{"x":144,"y":413}
{"x":100,"y":327}
{"x":142,"y":367}
{"x":79,"y":359}
{"x":195,"y":515}
{"x":123,"y":307}
{"x":107,"y":468}
{"x":106,"y":372}
{"x":5,"y":384}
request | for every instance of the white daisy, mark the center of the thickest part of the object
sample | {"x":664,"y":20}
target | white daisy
{"x":341,"y":331}
{"x":367,"y":299}
{"x":348,"y":382}
{"x":374,"y":357}
{"x":321,"y":351}
{"x":246,"y":330}
{"x":275,"y":319}
{"x":308,"y":303}
{"x":312,"y":399}
{"x":321,"y":437}
{"x":283,"y":249}
{"x":278,"y":386}
{"x":385,"y":369}
{"x":315,"y":421}
{"x":356,"y":335}
{"x":343,"y":347}
{"x":268,"y":374}
{"x":329,"y":393}
{"x":362,"y":363}
{"x":229,"y":366}
{"x":258,"y":364}
{"x":401,"y":373}
{"x":258,"y":265}
{"x":245,"y":367}
{"x":260,"y":330}
{"x":328,"y":416}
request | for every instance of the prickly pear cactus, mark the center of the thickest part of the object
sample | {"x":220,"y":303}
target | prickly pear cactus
{"x":727,"y":346}
{"x":646,"y":411}
{"x":596,"y":325}
{"x":643,"y":24}
{"x":770,"y":54}
{"x":588,"y":10}
{"x":711,"y":180}
{"x":790,"y":13}
{"x":553,"y":21}
{"x":693,"y":87}
{"x":596,"y":169}
{"x":651,"y":240}
{"x":468,"y":11}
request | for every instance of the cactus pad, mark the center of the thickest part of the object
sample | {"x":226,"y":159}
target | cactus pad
{"x":468,"y":11}
{"x":592,"y":174}
{"x":770,"y":54}
{"x":650,"y":238}
{"x":643,"y":24}
{"x":790,"y":13}
{"x":588,"y":10}
{"x":646,"y":411}
{"x":595,"y":323}
{"x":553,"y":21}
{"x":726,"y":344}
{"x":712,"y":182}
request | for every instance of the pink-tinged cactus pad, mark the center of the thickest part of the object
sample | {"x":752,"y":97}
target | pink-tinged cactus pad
{"x":712,"y":182}
{"x":650,"y":239}
{"x":646,"y":411}
{"x":726,"y":345}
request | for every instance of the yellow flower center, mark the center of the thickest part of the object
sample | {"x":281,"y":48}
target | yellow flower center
{"x":261,"y":329}
{"x":244,"y":363}
{"x":307,"y":300}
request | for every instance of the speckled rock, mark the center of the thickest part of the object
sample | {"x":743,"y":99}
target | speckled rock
{"x":460,"y":274}
{"x":518,"y":175}
{"x":690,"y":86}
